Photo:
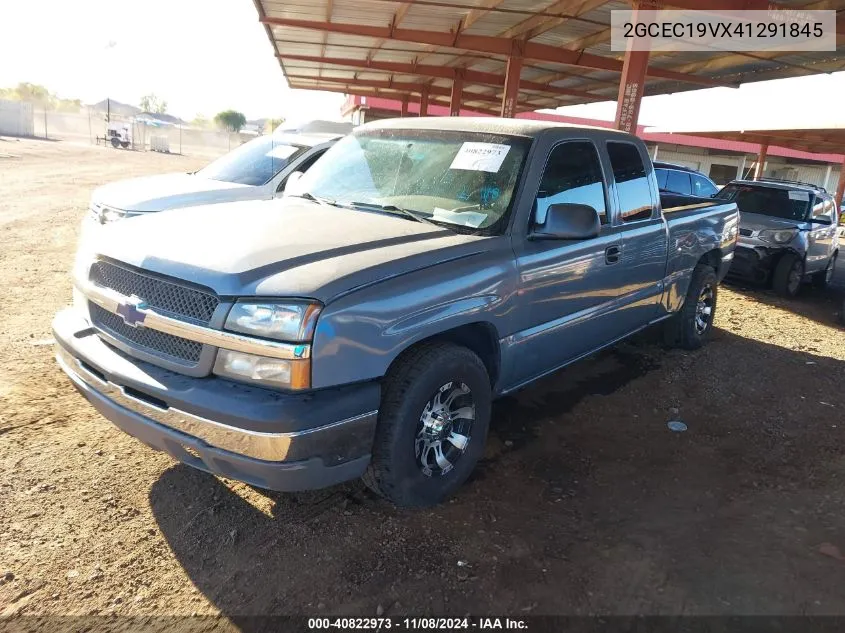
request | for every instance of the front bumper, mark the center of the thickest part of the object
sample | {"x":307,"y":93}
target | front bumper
{"x":269,"y":439}
{"x":755,"y":262}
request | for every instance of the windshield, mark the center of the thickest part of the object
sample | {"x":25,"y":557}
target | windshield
{"x":771,"y":201}
{"x":453,"y":178}
{"x":253,"y":163}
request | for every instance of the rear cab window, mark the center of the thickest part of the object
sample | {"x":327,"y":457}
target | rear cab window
{"x":632,"y":186}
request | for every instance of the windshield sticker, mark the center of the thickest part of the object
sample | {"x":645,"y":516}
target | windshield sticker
{"x":480,"y":157}
{"x":464,"y":218}
{"x":800,"y":195}
{"x":281,"y":151}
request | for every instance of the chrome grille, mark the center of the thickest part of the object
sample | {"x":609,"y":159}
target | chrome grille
{"x":173,"y":348}
{"x":178,"y":300}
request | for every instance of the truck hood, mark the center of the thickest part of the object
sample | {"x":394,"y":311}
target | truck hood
{"x":758,"y":222}
{"x":170,"y":191}
{"x":286,"y":247}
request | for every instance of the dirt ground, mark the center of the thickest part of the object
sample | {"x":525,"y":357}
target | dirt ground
{"x":586,"y":503}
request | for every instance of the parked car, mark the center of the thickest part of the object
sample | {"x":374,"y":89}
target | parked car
{"x":363,"y":326}
{"x":788,"y":233}
{"x":673,"y":178}
{"x":256,"y":170}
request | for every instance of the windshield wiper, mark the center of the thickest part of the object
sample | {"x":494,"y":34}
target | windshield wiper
{"x":319,"y":200}
{"x":392,"y":208}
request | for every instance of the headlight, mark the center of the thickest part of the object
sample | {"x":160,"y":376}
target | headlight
{"x":778,"y":236}
{"x":274,"y":372}
{"x":291,"y":321}
{"x":105,"y":214}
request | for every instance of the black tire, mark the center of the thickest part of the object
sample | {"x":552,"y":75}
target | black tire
{"x":413,"y":381}
{"x":124,"y":144}
{"x":823,"y":278}
{"x":789,"y":272}
{"x":685,"y":329}
{"x":115,"y":142}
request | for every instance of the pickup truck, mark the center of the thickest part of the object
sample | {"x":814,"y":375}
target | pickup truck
{"x":363,"y":325}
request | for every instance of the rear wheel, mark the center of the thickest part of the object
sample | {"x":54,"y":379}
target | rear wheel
{"x":690,"y":327}
{"x":432,"y":425}
{"x":789,"y":272}
{"x":115,"y":142}
{"x":822,"y":279}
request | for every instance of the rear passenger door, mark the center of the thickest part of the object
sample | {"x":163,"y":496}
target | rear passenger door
{"x":641,"y":229}
{"x":821,"y":235}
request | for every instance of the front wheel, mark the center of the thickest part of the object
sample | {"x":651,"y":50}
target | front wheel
{"x":789,"y":272}
{"x":432,"y":425}
{"x":690,"y":327}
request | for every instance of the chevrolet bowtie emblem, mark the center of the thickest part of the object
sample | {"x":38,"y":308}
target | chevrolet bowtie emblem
{"x":130,"y":311}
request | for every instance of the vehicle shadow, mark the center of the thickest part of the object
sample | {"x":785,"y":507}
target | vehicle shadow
{"x":584,"y":503}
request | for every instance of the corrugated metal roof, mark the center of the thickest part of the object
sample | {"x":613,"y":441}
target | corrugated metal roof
{"x":414,"y":43}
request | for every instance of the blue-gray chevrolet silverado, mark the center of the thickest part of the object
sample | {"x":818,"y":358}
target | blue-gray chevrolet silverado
{"x":362,"y":325}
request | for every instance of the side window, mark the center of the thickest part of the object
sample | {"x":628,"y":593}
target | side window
{"x":678,"y":182}
{"x":635,"y":201}
{"x":822,"y":208}
{"x":702,"y":187}
{"x":303,"y":167}
{"x":573,"y":174}
{"x":661,"y":175}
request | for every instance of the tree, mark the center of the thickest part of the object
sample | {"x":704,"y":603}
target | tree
{"x":199,"y":121}
{"x":230,"y":120}
{"x":154,"y":104}
{"x":34,"y":93}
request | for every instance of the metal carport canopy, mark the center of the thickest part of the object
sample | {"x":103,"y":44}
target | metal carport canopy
{"x":811,"y":136}
{"x":521,"y":54}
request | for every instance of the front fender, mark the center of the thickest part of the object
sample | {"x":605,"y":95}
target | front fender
{"x":360,"y":334}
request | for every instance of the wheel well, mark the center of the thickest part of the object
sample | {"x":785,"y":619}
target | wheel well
{"x":481,"y":338}
{"x":712,"y":258}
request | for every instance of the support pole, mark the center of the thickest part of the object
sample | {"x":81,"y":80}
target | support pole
{"x":840,"y":188}
{"x":404,"y":111}
{"x":740,"y":172}
{"x":424,"y":101}
{"x":761,"y":161}
{"x":510,"y":98}
{"x":457,"y":93}
{"x":631,"y":89}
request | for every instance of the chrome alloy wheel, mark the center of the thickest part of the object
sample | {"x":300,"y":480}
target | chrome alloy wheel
{"x":704,"y":309}
{"x":445,"y":429}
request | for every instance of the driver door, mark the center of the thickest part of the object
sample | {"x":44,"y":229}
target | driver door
{"x":567,"y":288}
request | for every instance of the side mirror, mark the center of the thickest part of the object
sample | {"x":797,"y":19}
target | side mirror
{"x":291,"y":183}
{"x":822,"y":219}
{"x":568,"y":221}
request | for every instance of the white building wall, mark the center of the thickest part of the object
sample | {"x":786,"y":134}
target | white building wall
{"x":16,"y":118}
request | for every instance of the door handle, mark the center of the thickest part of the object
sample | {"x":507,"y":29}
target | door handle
{"x":611,"y":254}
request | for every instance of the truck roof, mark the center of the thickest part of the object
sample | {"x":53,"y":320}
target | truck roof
{"x":490,"y":125}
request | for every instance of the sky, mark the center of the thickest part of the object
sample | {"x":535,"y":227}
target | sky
{"x":204,"y":56}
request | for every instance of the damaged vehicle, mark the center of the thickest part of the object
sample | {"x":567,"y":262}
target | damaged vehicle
{"x":788,"y":233}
